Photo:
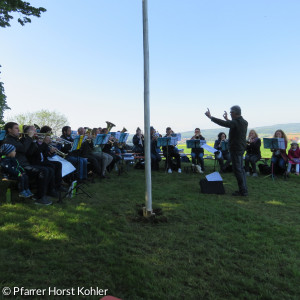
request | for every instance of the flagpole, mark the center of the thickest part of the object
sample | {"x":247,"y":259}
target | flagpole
{"x":147,"y":142}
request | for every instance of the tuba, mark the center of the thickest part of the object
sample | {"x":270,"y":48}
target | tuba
{"x":109,"y":126}
{"x":123,"y":130}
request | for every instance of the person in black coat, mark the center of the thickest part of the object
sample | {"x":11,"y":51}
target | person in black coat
{"x":198,"y":153}
{"x":253,"y":154}
{"x":236,"y":143}
{"x":223,"y":154}
{"x":171,"y":151}
{"x":138,"y":142}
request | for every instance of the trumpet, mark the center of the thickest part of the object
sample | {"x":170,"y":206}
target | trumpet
{"x":58,"y":152}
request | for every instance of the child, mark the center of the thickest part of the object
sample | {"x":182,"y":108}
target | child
{"x":12,"y":170}
{"x":294,"y":157}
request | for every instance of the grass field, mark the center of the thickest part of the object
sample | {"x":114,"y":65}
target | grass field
{"x":210,"y":247}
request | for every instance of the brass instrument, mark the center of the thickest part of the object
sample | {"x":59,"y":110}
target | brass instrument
{"x":109,"y":126}
{"x":123,"y":130}
{"x":58,"y":152}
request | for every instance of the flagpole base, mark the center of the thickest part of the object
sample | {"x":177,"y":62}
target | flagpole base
{"x":148,"y":213}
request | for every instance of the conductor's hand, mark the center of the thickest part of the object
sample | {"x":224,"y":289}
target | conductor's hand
{"x":208,"y":113}
{"x":225,"y":115}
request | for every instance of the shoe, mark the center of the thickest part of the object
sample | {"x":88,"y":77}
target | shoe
{"x":254,"y":175}
{"x":29,"y":193}
{"x":247,"y":173}
{"x":43,"y":201}
{"x":23,"y":194}
{"x":199,"y":169}
{"x":53,"y":193}
{"x":179,"y":170}
{"x":238,"y":193}
{"x":169,"y":171}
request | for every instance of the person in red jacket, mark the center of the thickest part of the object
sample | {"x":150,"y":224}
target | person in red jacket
{"x":294,"y":157}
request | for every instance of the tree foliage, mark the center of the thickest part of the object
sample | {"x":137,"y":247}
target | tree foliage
{"x":42,"y":117}
{"x":8,"y":7}
{"x":3,"y":104}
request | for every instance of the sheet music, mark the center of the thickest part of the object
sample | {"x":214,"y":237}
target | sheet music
{"x":123,"y":137}
{"x":281,"y":143}
{"x":116,"y":134}
{"x":67,"y":167}
{"x":209,"y":148}
{"x":102,"y":139}
{"x":214,"y":177}
{"x":178,"y":135}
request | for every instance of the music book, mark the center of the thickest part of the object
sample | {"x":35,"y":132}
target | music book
{"x":123,"y":137}
{"x":102,"y":139}
{"x":178,"y":135}
{"x":214,"y":177}
{"x":116,"y":135}
{"x":274,"y":143}
{"x":2,"y":135}
{"x":195,"y":143}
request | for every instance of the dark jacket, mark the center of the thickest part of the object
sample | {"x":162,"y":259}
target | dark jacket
{"x":198,"y":150}
{"x":11,"y":168}
{"x":237,"y":133}
{"x":21,"y":149}
{"x":254,"y":147}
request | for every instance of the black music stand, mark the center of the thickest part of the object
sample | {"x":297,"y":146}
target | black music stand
{"x":271,"y":143}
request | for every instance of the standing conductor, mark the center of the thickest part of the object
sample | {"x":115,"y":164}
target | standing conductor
{"x":236,"y":143}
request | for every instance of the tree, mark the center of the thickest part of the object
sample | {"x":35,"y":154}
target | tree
{"x":7,"y":7}
{"x":3,"y":104}
{"x":42,"y":117}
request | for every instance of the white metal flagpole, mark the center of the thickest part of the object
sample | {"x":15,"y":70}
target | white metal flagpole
{"x":147,"y":142}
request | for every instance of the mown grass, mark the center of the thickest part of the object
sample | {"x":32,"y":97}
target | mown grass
{"x":211,"y":247}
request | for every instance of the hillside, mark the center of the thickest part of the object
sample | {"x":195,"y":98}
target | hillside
{"x":292,"y":129}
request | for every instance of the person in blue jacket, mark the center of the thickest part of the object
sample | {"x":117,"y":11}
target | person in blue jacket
{"x":11,"y":169}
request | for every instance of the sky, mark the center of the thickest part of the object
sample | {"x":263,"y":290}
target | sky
{"x":84,"y":59}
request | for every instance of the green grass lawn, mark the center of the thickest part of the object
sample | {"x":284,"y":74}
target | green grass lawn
{"x":211,"y":247}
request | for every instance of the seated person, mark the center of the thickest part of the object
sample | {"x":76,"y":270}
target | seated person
{"x":294,"y":158}
{"x":198,"y":153}
{"x":155,"y":156}
{"x":105,"y":158}
{"x":11,"y":169}
{"x":279,"y":157}
{"x":36,"y":172}
{"x":86,"y":151}
{"x":36,"y":157}
{"x":73,"y":157}
{"x":170,"y":152}
{"x":108,"y":149}
{"x":253,"y":152}
{"x":138,"y":141}
{"x":223,"y":154}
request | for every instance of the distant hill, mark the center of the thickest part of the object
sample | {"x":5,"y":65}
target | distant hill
{"x":264,"y":131}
